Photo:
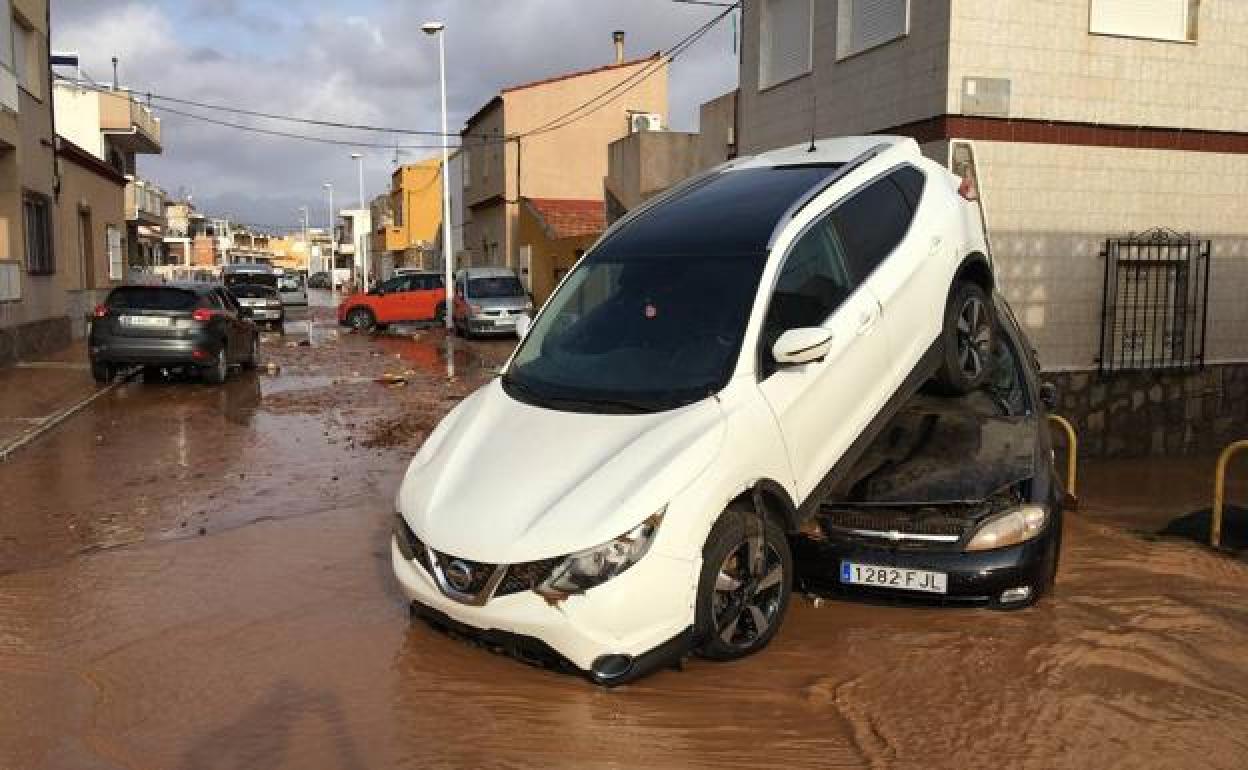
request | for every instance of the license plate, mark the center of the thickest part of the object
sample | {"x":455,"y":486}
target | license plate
{"x":894,"y":577}
{"x":504,"y":322}
{"x":144,"y":320}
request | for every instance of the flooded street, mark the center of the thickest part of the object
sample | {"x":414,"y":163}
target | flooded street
{"x":199,"y":577}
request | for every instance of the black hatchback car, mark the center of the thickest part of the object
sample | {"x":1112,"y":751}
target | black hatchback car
{"x":956,"y":501}
{"x":196,"y":326}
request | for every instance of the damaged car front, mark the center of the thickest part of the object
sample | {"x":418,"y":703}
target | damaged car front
{"x":955,"y":502}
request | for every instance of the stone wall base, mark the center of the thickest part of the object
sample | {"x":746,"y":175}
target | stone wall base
{"x":1134,"y":414}
{"x":34,"y":339}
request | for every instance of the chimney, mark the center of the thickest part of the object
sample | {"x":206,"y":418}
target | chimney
{"x":618,"y":37}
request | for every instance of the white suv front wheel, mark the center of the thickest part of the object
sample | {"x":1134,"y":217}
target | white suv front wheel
{"x":744,"y":588}
{"x":966,"y":339}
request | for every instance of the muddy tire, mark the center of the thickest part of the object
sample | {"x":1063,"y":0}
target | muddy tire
{"x":102,"y":372}
{"x":361,"y":319}
{"x":744,"y":587}
{"x":216,"y":372}
{"x":253,"y":356}
{"x":966,"y":340}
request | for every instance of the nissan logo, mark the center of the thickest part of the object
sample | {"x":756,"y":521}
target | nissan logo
{"x":459,"y":576}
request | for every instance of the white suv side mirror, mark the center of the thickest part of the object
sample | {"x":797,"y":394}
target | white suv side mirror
{"x":801,"y":346}
{"x":522,"y":326}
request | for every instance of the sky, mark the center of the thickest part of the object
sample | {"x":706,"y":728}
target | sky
{"x":363,"y":62}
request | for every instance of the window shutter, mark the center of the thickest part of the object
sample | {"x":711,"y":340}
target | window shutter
{"x":785,"y":31}
{"x":1160,"y":19}
{"x":876,"y":22}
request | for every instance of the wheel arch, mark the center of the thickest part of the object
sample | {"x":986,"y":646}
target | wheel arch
{"x":976,"y":269}
{"x":771,"y":499}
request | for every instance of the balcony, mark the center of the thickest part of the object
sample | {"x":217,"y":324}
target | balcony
{"x":145,"y":203}
{"x":389,"y":238}
{"x":131,"y":125}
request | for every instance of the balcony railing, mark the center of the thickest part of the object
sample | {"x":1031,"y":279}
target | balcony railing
{"x":131,"y":124}
{"x":145,"y":201}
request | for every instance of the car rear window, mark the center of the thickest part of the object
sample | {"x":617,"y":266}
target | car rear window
{"x":152,"y":298}
{"x":253,"y":291}
{"x":255,"y":279}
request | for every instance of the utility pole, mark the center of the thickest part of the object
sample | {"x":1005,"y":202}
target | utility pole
{"x":439,"y":29}
{"x":333,"y":246}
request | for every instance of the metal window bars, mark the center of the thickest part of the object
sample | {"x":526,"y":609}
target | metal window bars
{"x":1155,"y":302}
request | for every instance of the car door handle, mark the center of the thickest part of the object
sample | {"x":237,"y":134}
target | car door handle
{"x":867,"y":319}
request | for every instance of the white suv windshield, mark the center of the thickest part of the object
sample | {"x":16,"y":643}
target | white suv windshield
{"x":637,"y":335}
{"x":654,"y":316}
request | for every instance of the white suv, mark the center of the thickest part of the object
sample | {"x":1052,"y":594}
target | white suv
{"x":701,"y":379}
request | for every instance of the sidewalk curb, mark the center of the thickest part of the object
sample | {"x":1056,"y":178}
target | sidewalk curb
{"x":61,"y":416}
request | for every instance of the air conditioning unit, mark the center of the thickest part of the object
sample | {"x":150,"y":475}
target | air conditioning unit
{"x":645,"y":121}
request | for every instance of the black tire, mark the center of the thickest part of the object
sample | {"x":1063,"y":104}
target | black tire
{"x":966,"y":338}
{"x":152,"y":373}
{"x":253,"y":357}
{"x":102,"y":372}
{"x":361,"y":319}
{"x":216,"y":373}
{"x":735,"y":594}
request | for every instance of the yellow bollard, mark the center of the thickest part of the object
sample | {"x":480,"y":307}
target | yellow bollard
{"x":1219,"y":491}
{"x":1072,"y":458}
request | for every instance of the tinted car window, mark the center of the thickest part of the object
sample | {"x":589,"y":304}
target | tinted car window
{"x":812,"y":284}
{"x":871,"y":223}
{"x":152,"y":298}
{"x":253,"y":291}
{"x":911,"y":182}
{"x":259,"y":279}
{"x":494,"y":286}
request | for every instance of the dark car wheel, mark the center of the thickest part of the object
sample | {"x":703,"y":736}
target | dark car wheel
{"x":253,"y":357}
{"x":216,"y":373}
{"x":744,"y":588}
{"x":967,"y":339}
{"x":361,"y":318}
{"x":102,"y":372}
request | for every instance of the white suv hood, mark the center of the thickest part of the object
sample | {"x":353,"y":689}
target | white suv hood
{"x":504,"y":482}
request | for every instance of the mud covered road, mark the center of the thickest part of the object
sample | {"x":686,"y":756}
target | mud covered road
{"x":198,"y":577}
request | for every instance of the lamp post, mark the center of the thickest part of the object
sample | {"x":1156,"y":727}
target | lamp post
{"x":361,"y":240}
{"x":438,"y":28}
{"x":333,"y":239}
{"x":307,"y":263}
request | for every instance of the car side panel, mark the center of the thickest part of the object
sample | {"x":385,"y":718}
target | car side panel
{"x":912,"y":284}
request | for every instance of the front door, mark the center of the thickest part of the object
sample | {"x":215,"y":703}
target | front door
{"x":824,"y":405}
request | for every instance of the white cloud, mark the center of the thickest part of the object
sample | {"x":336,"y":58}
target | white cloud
{"x":355,"y":62}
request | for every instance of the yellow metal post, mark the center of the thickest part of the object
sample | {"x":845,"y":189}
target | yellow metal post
{"x":1219,"y":491}
{"x":1072,"y":455}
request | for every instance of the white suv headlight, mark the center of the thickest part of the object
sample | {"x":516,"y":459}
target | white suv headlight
{"x":583,"y":570}
{"x":1010,"y":528}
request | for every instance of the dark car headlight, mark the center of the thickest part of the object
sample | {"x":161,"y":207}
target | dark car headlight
{"x":583,"y":570}
{"x":1011,"y":527}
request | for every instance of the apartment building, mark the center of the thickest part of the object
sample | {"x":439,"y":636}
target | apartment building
{"x":1112,"y":148}
{"x":530,"y":142}
{"x":34,"y":316}
{"x":406,"y":225}
{"x":114,"y":126}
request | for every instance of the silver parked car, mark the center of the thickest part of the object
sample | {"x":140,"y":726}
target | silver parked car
{"x":489,"y":300}
{"x":293,"y":287}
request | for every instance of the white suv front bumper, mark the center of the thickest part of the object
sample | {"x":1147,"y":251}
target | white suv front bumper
{"x":648,"y":608}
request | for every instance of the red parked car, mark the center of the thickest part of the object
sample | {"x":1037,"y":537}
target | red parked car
{"x":406,"y":297}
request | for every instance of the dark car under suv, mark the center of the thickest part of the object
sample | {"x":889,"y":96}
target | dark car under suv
{"x":192,"y":326}
{"x":956,"y":501}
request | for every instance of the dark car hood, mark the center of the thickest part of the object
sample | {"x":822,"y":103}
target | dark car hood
{"x":939,"y":455}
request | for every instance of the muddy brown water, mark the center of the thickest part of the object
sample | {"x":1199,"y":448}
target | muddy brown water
{"x":277,"y":639}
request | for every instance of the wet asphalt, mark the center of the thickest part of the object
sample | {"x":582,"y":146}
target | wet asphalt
{"x":198,"y":577}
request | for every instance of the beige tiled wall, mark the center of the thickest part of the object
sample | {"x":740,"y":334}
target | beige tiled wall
{"x":1058,"y":71}
{"x":1051,"y":208}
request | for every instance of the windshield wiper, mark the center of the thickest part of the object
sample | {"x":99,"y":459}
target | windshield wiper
{"x":579,"y":404}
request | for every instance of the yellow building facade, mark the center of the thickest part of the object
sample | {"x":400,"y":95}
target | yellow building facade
{"x":405,"y":235}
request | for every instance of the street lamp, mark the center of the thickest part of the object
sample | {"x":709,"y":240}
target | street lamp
{"x":438,"y":28}
{"x":307,"y":264}
{"x":361,"y":239}
{"x":333,"y":238}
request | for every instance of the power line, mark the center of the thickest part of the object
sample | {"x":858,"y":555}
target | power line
{"x":155,"y":97}
{"x":632,"y":81}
